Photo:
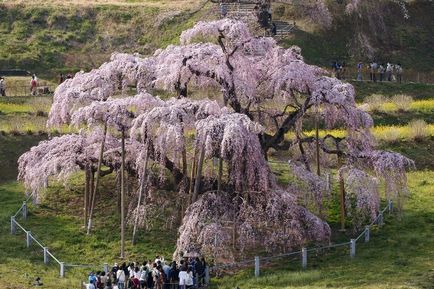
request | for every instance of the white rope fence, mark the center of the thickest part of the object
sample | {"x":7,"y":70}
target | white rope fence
{"x":303,"y":253}
{"x":31,"y":239}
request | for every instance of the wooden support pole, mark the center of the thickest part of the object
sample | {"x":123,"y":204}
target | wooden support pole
{"x":123,"y":196}
{"x":98,"y":176}
{"x":199,"y":174}
{"x":141,"y":192}
{"x":220,"y":173}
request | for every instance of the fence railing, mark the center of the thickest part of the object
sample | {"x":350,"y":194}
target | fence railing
{"x":31,"y":240}
{"x":303,"y":253}
{"x":24,"y":90}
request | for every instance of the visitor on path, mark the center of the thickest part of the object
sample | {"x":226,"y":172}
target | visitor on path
{"x":174,"y":275}
{"x":183,"y":275}
{"x":398,"y":69}
{"x":33,"y":85}
{"x":223,"y":10}
{"x":273,"y":29}
{"x":359,"y":71}
{"x":61,"y":78}
{"x":2,"y":87}
{"x":374,"y":69}
{"x":389,"y":71}
{"x":381,"y":71}
{"x":120,"y":277}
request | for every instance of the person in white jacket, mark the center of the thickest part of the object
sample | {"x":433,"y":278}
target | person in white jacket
{"x":183,"y":275}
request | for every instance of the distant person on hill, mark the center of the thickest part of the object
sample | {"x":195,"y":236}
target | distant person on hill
{"x":273,"y":29}
{"x":33,"y":84}
{"x":61,"y":78}
{"x":2,"y":87}
{"x":398,"y":69}
{"x":359,"y":71}
{"x":223,"y":10}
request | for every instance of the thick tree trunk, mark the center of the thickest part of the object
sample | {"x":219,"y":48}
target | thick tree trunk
{"x":199,"y":174}
{"x":123,"y":196}
{"x":141,"y":192}
{"x":98,"y":176}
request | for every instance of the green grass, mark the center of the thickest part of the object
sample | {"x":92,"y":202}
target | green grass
{"x":49,"y":39}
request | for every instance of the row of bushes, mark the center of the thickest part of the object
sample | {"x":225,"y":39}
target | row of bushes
{"x":380,"y":103}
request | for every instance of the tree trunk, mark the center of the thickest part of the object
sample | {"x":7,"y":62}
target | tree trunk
{"x":219,"y":179}
{"x":98,"y":176}
{"x":199,"y":174}
{"x":141,"y":192}
{"x":193,"y":174}
{"x":123,"y":196}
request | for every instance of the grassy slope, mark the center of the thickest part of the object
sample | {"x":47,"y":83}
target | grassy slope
{"x":53,"y":38}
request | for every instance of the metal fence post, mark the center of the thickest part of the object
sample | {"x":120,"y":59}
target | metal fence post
{"x":367,"y":234}
{"x":13,"y":226}
{"x":380,"y":220}
{"x":29,"y":238}
{"x":353,"y":248}
{"x":62,"y":269}
{"x":46,"y":257}
{"x":390,"y":206}
{"x":105,"y":267}
{"x":304,"y":258}
{"x":256,"y":266}
{"x":24,"y":210}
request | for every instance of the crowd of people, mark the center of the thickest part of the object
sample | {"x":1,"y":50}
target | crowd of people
{"x":377,"y":71}
{"x":381,"y":72}
{"x":157,"y":274}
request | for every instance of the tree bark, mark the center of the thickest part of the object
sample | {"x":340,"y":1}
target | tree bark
{"x":123,"y":195}
{"x":220,"y":173}
{"x":98,"y":175}
{"x":199,"y":174}
{"x":141,"y":192}
{"x":193,"y":175}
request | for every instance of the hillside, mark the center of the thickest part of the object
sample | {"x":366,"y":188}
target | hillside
{"x":65,"y":36}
